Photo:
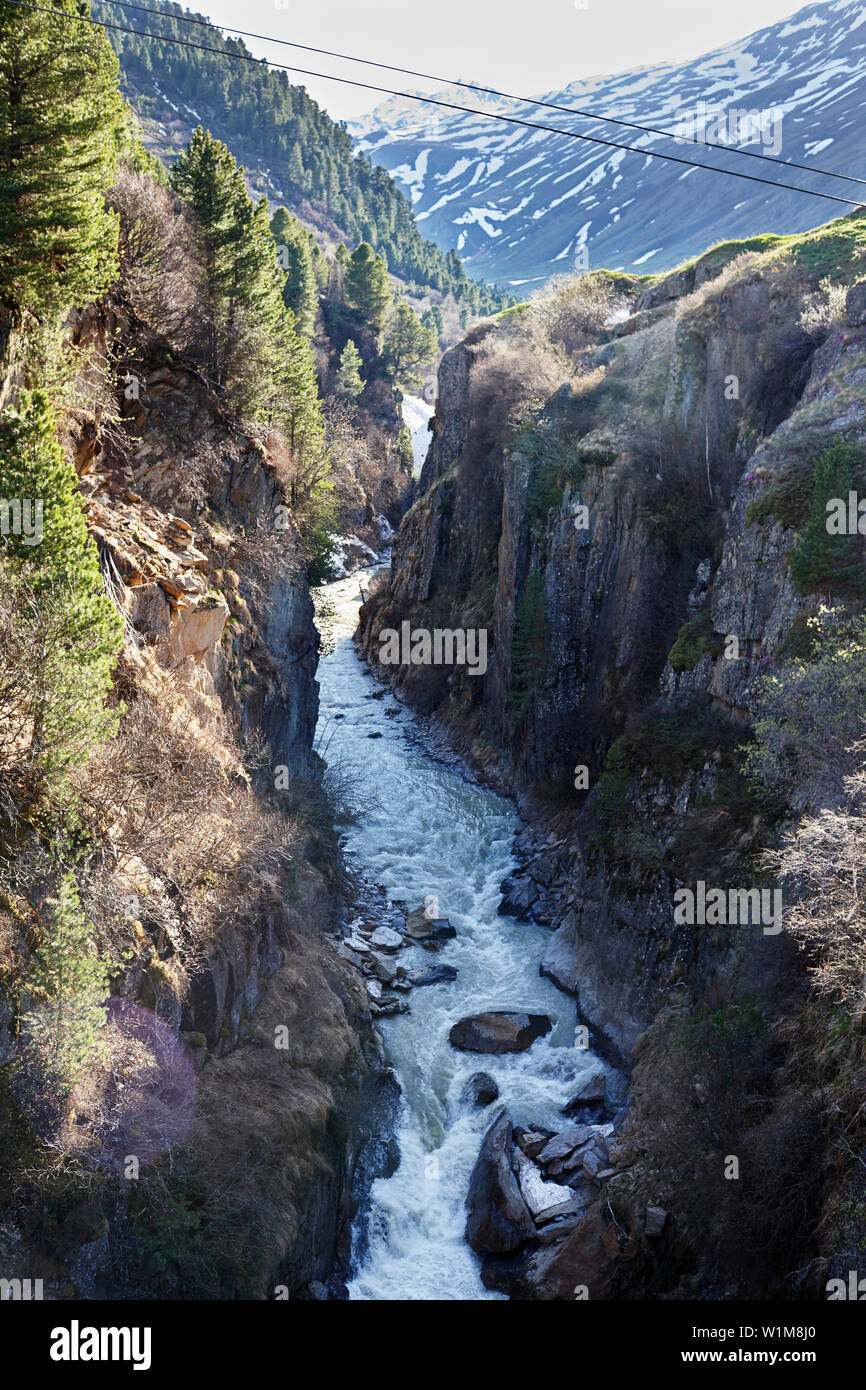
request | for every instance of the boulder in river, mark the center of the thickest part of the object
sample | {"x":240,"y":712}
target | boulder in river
{"x":435,"y":975}
{"x":386,"y":939}
{"x":518,"y":895}
{"x":590,"y":1099}
{"x":480,"y":1089}
{"x":422,"y":927}
{"x":499,"y":1219}
{"x":501,"y":1031}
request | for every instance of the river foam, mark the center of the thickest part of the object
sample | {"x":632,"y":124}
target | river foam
{"x":424,"y":829}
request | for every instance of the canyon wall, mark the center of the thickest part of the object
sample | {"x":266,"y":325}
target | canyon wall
{"x":622,"y":539}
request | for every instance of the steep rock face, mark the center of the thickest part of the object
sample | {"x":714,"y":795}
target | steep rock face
{"x":190,"y":457}
{"x":614,"y":591}
{"x":714,"y":397}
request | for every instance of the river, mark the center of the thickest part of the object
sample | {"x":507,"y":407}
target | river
{"x":424,"y":828}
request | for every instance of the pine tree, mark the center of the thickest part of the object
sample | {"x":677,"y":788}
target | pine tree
{"x":205,"y":176}
{"x":256,"y":355}
{"x":349,"y":382}
{"x":61,"y":121}
{"x":409,"y":343}
{"x":433,"y":320}
{"x":59,"y":575}
{"x":821,"y":559}
{"x":68,"y":985}
{"x":368,"y":288}
{"x":300,"y":291}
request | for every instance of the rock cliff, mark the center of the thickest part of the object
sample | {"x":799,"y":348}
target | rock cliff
{"x":615,"y":497}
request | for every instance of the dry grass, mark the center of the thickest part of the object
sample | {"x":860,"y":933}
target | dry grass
{"x":174,"y":819}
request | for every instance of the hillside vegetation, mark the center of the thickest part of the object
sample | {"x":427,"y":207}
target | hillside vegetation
{"x":281,"y":135}
{"x":170,"y":470}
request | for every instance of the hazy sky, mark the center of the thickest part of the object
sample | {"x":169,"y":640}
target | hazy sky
{"x":524,"y":46}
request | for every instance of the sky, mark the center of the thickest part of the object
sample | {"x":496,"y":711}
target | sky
{"x":522,"y":46}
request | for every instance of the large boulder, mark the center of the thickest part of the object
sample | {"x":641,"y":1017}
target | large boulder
{"x":422,"y":927}
{"x":499,"y":1032}
{"x":498,"y":1217}
{"x":564,"y":1143}
{"x":518,"y":895}
{"x":587,"y":1258}
{"x":386,"y":939}
{"x":480,"y":1090}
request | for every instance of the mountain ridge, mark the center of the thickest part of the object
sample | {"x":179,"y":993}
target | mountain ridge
{"x":465,"y":184}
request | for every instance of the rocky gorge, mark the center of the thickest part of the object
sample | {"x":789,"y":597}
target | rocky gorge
{"x":616,"y":497}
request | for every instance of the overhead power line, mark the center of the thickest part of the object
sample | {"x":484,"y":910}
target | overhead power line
{"x":434,"y":101}
{"x":490,"y":91}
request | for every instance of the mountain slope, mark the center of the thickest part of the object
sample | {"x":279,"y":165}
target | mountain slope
{"x":291,"y":149}
{"x":518,"y":204}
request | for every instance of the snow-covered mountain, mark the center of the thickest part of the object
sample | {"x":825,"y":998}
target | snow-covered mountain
{"x":520,"y":205}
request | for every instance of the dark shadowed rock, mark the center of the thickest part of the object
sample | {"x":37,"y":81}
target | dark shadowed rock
{"x":480,"y":1089}
{"x":442,"y":929}
{"x":589,"y":1101}
{"x":564,"y":1143}
{"x":436,"y":975}
{"x":518,"y":895}
{"x":499,"y":1032}
{"x":588,"y":1257}
{"x":498,"y":1219}
{"x":582,"y":1254}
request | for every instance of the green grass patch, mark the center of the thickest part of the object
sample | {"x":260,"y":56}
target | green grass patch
{"x":695,"y":638}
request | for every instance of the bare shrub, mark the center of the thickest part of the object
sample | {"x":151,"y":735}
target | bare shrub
{"x":809,"y":715}
{"x":511,"y":376}
{"x":710,"y":290}
{"x":172,"y":813}
{"x":824,"y":310}
{"x":138,"y":1095}
{"x":157,"y":272}
{"x":823,"y":864}
{"x":573,"y":316}
{"x":262,"y":554}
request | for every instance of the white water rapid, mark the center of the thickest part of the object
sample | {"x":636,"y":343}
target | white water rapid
{"x":423,"y":829}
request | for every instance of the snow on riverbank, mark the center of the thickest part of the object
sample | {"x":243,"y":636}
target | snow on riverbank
{"x":416,"y":416}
